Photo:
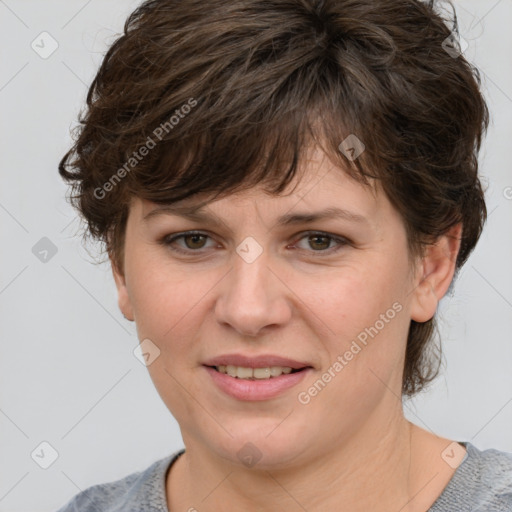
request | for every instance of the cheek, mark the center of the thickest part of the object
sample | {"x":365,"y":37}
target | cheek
{"x":355,"y":298}
{"x":169,"y":301}
{"x":156,"y":293}
{"x":366,"y":310}
{"x":168,"y":305}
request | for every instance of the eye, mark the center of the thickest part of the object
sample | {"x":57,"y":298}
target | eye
{"x":195,"y":241}
{"x":320,"y":242}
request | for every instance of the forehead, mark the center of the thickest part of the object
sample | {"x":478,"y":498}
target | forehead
{"x":318,"y":183}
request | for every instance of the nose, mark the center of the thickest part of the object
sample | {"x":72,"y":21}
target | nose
{"x":253,"y":298}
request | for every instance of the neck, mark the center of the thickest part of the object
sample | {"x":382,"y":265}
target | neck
{"x":376,"y":469}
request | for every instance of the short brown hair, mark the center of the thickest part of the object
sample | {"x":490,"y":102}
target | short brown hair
{"x":230,"y":92}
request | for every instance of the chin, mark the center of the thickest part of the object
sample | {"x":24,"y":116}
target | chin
{"x":262,"y":445}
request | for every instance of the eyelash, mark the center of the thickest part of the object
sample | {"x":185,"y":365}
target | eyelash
{"x":170,"y":239}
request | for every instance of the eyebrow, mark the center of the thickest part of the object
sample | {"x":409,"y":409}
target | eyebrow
{"x":193,"y":213}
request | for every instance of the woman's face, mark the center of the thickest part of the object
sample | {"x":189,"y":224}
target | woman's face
{"x":335,"y":295}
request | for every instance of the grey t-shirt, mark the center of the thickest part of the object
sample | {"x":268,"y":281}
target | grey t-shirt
{"x":482,"y":483}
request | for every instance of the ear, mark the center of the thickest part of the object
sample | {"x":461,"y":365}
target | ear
{"x":435,"y":273}
{"x":123,"y":298}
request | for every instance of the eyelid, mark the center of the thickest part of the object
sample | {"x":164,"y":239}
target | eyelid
{"x":340,"y":240}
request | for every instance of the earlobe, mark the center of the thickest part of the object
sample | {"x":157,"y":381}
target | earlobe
{"x":123,"y":298}
{"x":435,"y":273}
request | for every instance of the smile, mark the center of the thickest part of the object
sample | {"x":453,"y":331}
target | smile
{"x":255,"y":384}
{"x":244,"y":372}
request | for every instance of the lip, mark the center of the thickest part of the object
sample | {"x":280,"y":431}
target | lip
{"x":260,"y":361}
{"x":256,"y":390}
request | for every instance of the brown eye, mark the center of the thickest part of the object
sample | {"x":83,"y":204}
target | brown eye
{"x":192,"y":242}
{"x":320,"y":243}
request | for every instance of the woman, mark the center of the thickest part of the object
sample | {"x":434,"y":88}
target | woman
{"x":286,"y":191}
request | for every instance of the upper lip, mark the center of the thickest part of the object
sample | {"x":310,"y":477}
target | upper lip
{"x":261,"y":361}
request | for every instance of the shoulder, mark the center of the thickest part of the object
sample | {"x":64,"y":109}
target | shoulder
{"x":482,"y":483}
{"x":494,"y":472}
{"x":142,"y":491}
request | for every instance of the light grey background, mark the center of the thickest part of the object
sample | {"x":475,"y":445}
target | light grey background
{"x":68,"y":375}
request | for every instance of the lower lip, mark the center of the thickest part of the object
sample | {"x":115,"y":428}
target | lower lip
{"x":263,"y":389}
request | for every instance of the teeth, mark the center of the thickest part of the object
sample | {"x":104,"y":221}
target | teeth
{"x":262,"y":373}
{"x":242,"y":372}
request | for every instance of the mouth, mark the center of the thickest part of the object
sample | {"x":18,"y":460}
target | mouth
{"x":259,"y":373}
{"x":256,"y":378}
{"x":255,"y":384}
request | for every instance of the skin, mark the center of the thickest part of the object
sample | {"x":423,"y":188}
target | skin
{"x":350,"y":448}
